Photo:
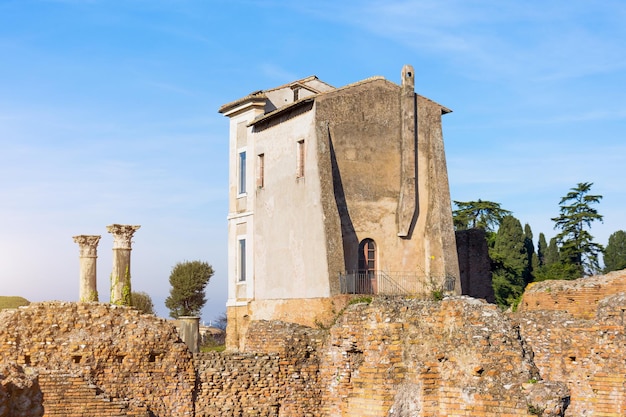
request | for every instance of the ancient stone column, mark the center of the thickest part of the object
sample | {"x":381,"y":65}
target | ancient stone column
{"x":189,"y":331}
{"x":120,"y":277}
{"x":88,"y":245}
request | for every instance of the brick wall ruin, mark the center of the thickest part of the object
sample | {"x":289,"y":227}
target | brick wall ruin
{"x":20,"y":395}
{"x":393,"y":358}
{"x":100,"y":360}
{"x":576,"y":330}
{"x":579,"y":297}
{"x":457,"y":357}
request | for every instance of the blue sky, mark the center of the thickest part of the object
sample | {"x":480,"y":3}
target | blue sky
{"x":108,"y":114}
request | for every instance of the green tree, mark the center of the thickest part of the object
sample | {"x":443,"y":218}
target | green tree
{"x":188,"y":280}
{"x":142,"y":302}
{"x":615,"y":252}
{"x":553,"y":267}
{"x":532,"y":261}
{"x":485,"y":215}
{"x":552,"y":253}
{"x":576,"y":243}
{"x":542,"y":247}
{"x":509,"y":261}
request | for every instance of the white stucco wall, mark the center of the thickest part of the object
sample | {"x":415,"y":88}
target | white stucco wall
{"x":240,"y":207}
{"x":290,"y":248}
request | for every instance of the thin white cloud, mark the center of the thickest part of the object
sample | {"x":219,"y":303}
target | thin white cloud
{"x":276,"y":72}
{"x":538,"y":41}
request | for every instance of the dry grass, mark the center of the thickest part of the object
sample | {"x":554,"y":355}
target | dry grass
{"x":12,"y":302}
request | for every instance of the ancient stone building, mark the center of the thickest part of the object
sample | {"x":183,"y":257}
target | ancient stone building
{"x":333,"y":191}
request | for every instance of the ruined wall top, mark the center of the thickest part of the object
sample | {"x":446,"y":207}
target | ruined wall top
{"x":119,"y":350}
{"x":122,"y":235}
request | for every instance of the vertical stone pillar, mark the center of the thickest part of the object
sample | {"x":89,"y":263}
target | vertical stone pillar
{"x":120,"y":277}
{"x":88,"y":245}
{"x":407,"y":210}
{"x":189,"y":331}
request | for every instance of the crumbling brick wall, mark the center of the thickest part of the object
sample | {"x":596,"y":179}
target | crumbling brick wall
{"x":20,"y":395}
{"x":276,"y":376}
{"x":112,"y":352}
{"x":392,"y":357}
{"x":584,"y":344}
{"x":579,"y":297}
{"x":457,"y":357}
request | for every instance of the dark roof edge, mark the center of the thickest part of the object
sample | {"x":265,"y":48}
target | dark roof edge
{"x":282,"y":110}
{"x":256,"y":96}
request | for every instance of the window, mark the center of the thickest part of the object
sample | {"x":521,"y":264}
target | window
{"x":367,"y":256}
{"x":242,"y":260}
{"x":242,"y":172}
{"x":260,"y":178}
{"x":300,"y":159}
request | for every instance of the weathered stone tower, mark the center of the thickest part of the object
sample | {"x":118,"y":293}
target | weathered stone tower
{"x":88,"y":245}
{"x":120,"y":276}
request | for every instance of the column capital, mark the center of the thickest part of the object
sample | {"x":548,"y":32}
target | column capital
{"x":122,"y":235}
{"x":88,"y":245}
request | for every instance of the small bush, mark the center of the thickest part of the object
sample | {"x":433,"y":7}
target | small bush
{"x":358,"y":300}
{"x":535,"y":410}
{"x":437,"y":295}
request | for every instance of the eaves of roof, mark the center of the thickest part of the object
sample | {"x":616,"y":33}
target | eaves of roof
{"x":260,"y":95}
{"x":257,"y":95}
{"x":308,"y":99}
{"x":282,"y":110}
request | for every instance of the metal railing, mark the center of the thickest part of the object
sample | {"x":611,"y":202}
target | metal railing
{"x":392,"y":283}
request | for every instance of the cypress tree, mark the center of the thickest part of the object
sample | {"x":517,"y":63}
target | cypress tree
{"x":552,"y":253}
{"x":615,"y":252}
{"x":531,"y":256}
{"x":542,"y":247}
{"x":509,"y":261}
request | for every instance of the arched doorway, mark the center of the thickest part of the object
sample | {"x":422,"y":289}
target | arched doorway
{"x":367,"y":266}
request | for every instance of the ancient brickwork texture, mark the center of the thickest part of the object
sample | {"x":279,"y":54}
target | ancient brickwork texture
{"x":109,"y":353}
{"x":458,"y":357}
{"x":277,"y":378}
{"x":579,"y":297}
{"x":20,"y":395}
{"x":586,"y":353}
{"x":396,"y":358}
{"x":68,"y":394}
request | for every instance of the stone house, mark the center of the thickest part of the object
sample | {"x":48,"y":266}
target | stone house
{"x":334,"y":191}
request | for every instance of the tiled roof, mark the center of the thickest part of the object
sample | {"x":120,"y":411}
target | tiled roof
{"x":261,"y":93}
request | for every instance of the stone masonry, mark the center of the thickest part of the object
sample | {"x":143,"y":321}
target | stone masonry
{"x":392,"y":357}
{"x":20,"y":395}
{"x":577,"y":332}
{"x":100,"y":360}
{"x":459,"y":357}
